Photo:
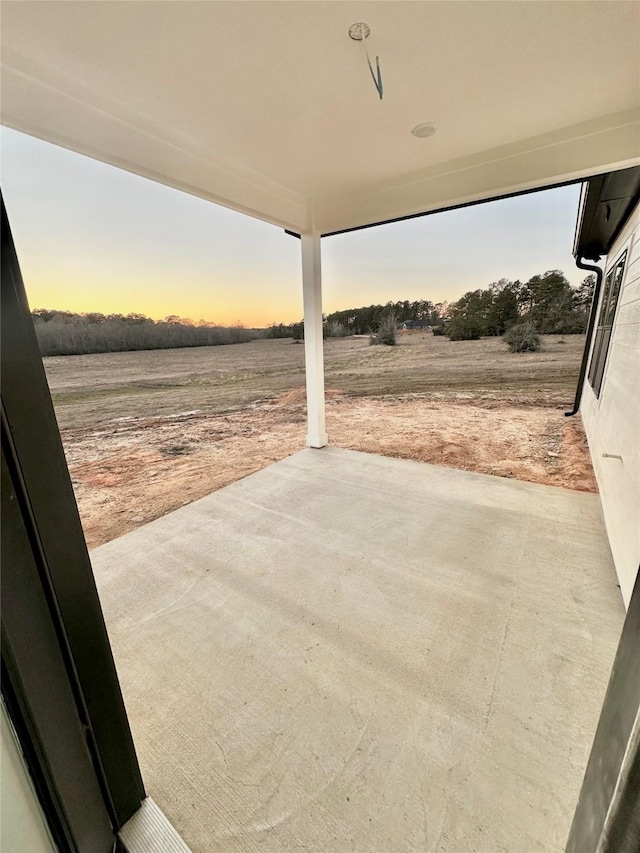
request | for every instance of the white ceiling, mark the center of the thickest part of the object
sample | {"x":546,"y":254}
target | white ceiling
{"x":268,"y":107}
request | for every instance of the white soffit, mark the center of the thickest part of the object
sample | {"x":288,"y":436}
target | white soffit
{"x":269,"y":107}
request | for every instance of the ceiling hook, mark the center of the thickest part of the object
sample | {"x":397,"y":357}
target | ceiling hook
{"x":361,"y":32}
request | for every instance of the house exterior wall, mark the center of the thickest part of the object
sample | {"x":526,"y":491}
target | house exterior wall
{"x":612,"y":421}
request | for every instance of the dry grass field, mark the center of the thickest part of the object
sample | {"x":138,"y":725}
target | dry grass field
{"x":146,"y":432}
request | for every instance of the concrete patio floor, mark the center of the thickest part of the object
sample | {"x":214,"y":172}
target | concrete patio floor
{"x":348,"y":652}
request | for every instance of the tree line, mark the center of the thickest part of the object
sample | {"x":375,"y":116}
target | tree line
{"x":66,"y":333}
{"x":547,"y":301}
{"x":367,"y":319}
{"x":362,"y":321}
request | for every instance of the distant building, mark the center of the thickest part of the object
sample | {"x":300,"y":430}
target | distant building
{"x":414,"y":324}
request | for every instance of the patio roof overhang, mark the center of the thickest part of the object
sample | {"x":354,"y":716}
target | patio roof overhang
{"x":605,"y":205}
{"x":269,"y":108}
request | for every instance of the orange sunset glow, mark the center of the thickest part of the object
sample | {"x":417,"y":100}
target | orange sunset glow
{"x":91,"y":237}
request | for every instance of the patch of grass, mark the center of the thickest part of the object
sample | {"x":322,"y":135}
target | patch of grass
{"x":71,"y":397}
{"x":176,"y":449}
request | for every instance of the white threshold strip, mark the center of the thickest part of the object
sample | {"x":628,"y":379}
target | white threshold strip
{"x":149,"y":831}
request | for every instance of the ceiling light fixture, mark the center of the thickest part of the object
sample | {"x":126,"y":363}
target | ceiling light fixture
{"x":422,"y":131}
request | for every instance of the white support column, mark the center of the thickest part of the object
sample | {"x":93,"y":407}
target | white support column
{"x":313,"y":346}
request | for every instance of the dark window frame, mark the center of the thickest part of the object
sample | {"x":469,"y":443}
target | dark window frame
{"x":59,"y":682}
{"x":606,"y":320}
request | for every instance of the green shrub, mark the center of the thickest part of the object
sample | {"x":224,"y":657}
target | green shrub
{"x":334,"y":329}
{"x":386,"y":333}
{"x":460,"y":329}
{"x":297,"y":331}
{"x":439,"y":330}
{"x":522,"y":338}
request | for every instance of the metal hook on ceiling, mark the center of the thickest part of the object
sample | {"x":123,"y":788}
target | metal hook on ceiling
{"x":361,"y":32}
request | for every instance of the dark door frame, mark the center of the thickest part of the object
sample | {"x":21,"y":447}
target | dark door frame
{"x":607,"y":816}
{"x":59,"y":679}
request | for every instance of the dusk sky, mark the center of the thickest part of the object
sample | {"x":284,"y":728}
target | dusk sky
{"x":91,"y":237}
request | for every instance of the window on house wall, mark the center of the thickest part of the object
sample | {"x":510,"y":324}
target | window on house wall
{"x":611,"y":293}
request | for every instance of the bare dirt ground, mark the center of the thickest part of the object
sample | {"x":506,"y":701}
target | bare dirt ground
{"x":147,"y":432}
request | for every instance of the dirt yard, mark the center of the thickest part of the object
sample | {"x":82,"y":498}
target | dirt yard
{"x":147,"y":432}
